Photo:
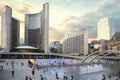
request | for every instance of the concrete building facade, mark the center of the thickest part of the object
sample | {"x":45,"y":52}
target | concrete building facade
{"x":114,"y":43}
{"x":37,"y":29}
{"x":76,"y":44}
{"x":106,"y":28}
{"x":9,"y":30}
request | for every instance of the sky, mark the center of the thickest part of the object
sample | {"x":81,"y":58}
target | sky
{"x":67,"y":16}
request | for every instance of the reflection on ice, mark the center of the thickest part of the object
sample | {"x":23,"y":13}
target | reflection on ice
{"x":91,"y":68}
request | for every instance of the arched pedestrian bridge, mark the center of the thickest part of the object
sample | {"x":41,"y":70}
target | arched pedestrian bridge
{"x":100,"y":55}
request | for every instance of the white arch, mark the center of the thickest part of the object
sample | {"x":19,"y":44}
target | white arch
{"x":97,"y":55}
{"x":108,"y":54}
{"x":86,"y":57}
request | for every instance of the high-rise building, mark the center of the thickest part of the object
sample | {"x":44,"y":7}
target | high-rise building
{"x":76,"y":44}
{"x":106,"y":28}
{"x":36,"y":29}
{"x":9,"y":30}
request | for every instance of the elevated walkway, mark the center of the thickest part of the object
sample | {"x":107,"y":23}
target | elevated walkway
{"x":17,"y":55}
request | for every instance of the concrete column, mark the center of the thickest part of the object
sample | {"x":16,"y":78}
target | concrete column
{"x":6,"y":19}
{"x":46,"y":27}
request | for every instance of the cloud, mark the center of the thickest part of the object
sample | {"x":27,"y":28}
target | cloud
{"x":75,"y":24}
{"x":20,"y":0}
{"x":23,"y":8}
{"x":78,"y":25}
{"x":55,"y":35}
{"x":18,"y":5}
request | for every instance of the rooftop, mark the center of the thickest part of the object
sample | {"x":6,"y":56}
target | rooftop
{"x":26,"y":47}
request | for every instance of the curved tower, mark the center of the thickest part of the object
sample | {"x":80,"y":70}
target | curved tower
{"x":36,"y":29}
{"x":9,"y":30}
{"x":6,"y":20}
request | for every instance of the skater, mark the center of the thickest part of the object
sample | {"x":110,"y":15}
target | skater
{"x":65,"y":76}
{"x":2,"y":67}
{"x":12,"y":64}
{"x":109,"y":76}
{"x":22,"y":64}
{"x":33,"y":72}
{"x":71,"y":77}
{"x":7,"y":64}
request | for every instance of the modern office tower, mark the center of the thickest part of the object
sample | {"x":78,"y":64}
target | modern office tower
{"x":76,"y":44}
{"x":106,"y":28}
{"x":36,"y":29}
{"x":9,"y":30}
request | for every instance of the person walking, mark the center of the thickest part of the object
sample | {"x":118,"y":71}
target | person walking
{"x":26,"y":78}
{"x":65,"y":76}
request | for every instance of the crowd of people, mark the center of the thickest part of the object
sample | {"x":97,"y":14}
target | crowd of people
{"x":65,"y":77}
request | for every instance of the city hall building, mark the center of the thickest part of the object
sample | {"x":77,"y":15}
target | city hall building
{"x":36,"y":30}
